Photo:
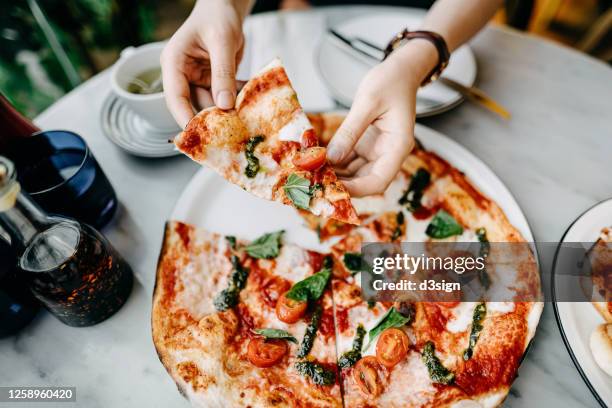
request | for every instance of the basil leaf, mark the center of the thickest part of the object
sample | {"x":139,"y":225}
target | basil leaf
{"x":399,"y":219}
{"x":275,"y":334}
{"x":310,"y":333}
{"x":310,"y":288}
{"x":392,"y":318}
{"x":354,"y":262}
{"x":349,"y":358}
{"x":318,"y":374}
{"x":298,"y":190}
{"x":485,"y":248}
{"x":267,"y":246}
{"x":412,"y":196}
{"x":252,"y":167}
{"x":443,"y":225}
{"x":231,"y":240}
{"x":480,"y":311}
{"x":437,"y":372}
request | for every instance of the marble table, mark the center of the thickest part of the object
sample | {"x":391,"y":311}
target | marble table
{"x":555,"y":155}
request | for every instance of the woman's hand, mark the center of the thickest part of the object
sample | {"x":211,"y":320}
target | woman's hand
{"x":378,"y":133}
{"x":199,"y":62}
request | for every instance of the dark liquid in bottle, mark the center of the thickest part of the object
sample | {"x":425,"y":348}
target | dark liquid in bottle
{"x":77,"y":274}
{"x":17,"y":305}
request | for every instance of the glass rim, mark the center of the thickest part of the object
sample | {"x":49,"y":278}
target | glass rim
{"x":86,"y":154}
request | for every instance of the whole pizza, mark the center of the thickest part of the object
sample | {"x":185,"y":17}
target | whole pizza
{"x":268,"y":323}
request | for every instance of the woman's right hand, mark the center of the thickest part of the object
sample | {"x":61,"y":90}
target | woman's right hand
{"x":199,"y":62}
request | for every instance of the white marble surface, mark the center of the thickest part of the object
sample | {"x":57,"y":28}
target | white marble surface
{"x":555,"y":155}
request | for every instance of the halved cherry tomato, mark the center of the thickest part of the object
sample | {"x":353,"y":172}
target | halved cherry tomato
{"x":392,"y":347}
{"x":310,"y":159}
{"x":265,"y":353}
{"x":368,"y":376}
{"x":289,"y":310}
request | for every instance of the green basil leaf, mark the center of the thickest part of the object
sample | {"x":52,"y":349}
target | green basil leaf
{"x":443,"y":225}
{"x":275,"y":334}
{"x":267,"y":246}
{"x":354,"y":262}
{"x":252,"y":167}
{"x":392,"y":318}
{"x":231,"y":240}
{"x":412,"y":196}
{"x":437,"y":372}
{"x":310,"y":288}
{"x":298,"y":190}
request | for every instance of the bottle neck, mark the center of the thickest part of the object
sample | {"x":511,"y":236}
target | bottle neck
{"x":13,"y":124}
{"x":23,"y":220}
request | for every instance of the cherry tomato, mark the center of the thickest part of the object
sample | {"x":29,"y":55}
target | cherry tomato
{"x":368,"y":375}
{"x":310,"y":159}
{"x":289,"y":310}
{"x":392,"y":347}
{"x":265,"y":353}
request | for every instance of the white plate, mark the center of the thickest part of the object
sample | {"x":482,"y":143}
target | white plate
{"x":210,"y":202}
{"x":342,"y":72}
{"x":577,"y":320}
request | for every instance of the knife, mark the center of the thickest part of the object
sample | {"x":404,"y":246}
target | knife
{"x":369,"y":53}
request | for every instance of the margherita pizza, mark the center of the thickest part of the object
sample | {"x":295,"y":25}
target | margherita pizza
{"x":267,"y":323}
{"x":268,"y":147}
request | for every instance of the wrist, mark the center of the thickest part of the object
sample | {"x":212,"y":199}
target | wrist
{"x":418,"y":56}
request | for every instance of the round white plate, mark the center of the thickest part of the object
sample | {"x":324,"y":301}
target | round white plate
{"x":132,"y":133}
{"x":577,"y":320}
{"x":341,"y":71}
{"x":210,"y":202}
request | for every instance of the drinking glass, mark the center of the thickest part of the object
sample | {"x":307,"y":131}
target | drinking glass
{"x":58,"y":170}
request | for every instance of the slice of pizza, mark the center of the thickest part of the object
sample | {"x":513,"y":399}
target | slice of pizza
{"x":240,"y":323}
{"x":267,"y":146}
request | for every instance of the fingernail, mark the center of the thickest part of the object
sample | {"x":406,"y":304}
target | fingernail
{"x":334,"y":153}
{"x":225,"y":100}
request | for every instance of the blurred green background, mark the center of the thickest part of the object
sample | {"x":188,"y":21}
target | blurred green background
{"x":47,"y":47}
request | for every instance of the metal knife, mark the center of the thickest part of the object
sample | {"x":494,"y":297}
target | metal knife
{"x":370,"y":53}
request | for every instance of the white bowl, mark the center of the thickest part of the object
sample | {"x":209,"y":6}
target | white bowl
{"x":151,"y":107}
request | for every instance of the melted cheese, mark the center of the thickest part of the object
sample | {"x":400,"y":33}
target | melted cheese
{"x":293,"y":263}
{"x":462,"y":317}
{"x":295,"y":128}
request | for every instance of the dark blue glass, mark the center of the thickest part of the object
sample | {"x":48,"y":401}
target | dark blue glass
{"x":60,"y":173}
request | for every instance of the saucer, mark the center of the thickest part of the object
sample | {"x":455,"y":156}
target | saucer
{"x":132,"y":133}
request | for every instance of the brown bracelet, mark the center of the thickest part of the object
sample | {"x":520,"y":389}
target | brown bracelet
{"x":435,"y":38}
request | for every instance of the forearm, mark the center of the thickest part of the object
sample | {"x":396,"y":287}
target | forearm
{"x":458,"y":20}
{"x":243,"y":7}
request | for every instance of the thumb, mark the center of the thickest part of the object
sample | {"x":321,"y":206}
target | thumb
{"x":223,"y":73}
{"x":350,"y":131}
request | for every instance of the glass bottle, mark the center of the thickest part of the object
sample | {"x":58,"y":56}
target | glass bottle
{"x":17,"y":305}
{"x":70,"y":267}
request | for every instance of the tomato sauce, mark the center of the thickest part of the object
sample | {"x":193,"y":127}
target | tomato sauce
{"x":284,"y":149}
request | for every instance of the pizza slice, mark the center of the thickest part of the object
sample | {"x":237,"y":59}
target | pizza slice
{"x":267,"y":146}
{"x":240,"y":323}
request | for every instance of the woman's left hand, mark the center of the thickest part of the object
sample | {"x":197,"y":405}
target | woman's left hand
{"x":378,"y":132}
